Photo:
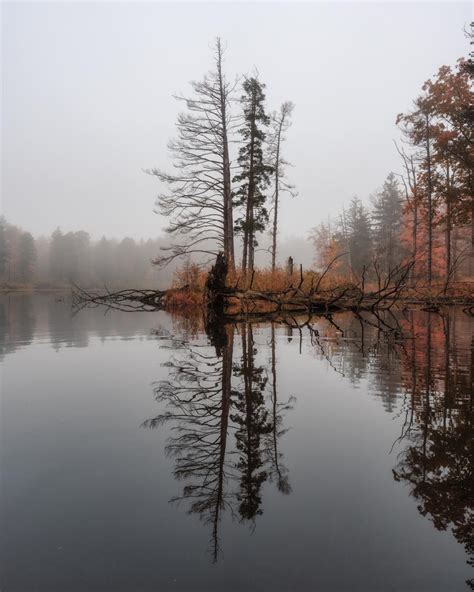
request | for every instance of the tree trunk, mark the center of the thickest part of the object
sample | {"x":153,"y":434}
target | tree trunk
{"x":275,"y":224}
{"x":415,"y":238}
{"x":227,"y":213}
{"x":215,"y":287}
{"x":448,"y":230}
{"x":430,"y":205}
{"x":471,"y":261}
{"x":252,"y":239}
{"x":277,"y":188}
{"x":248,"y":259}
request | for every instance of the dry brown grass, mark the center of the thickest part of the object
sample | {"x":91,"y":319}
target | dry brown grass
{"x":179,"y":299}
{"x":192,"y":278}
{"x":277,"y":281}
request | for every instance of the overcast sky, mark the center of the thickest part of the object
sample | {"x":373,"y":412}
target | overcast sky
{"x":87,"y":98}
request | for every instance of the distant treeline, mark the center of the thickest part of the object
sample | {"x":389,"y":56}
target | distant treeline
{"x":69,"y":257}
{"x":63,"y":258}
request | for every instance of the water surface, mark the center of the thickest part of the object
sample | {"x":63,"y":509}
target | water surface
{"x":140,"y":453}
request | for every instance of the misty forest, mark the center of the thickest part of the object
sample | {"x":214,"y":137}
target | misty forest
{"x":222,"y":406}
{"x":414,"y":237}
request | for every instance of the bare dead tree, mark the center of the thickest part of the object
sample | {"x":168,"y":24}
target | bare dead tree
{"x":419,"y":128}
{"x":412,"y":197}
{"x":198,"y":200}
{"x":279,"y":124}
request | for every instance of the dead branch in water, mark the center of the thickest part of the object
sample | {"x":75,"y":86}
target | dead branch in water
{"x":127,"y":300}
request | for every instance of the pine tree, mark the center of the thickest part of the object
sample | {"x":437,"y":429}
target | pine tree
{"x":386,"y":221}
{"x":57,"y":256}
{"x":4,"y":248}
{"x":254,"y":176}
{"x":26,"y":257}
{"x":359,"y":236}
{"x":253,"y":425}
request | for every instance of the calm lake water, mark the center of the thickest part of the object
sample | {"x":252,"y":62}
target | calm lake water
{"x":140,"y":454}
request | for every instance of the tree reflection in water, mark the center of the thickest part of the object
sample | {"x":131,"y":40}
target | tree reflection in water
{"x":197,"y":396}
{"x":252,"y":419}
{"x":228,"y":417}
{"x":209,"y":398}
{"x":437,"y":461}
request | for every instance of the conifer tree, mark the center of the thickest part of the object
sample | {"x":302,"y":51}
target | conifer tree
{"x":386,"y":223}
{"x":26,"y":257}
{"x":359,"y":236}
{"x":254,"y":175}
{"x":4,"y":248}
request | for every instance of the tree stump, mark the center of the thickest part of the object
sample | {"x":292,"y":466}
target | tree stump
{"x":216,"y":284}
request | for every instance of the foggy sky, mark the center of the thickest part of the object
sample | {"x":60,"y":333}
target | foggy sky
{"x":87,"y":98}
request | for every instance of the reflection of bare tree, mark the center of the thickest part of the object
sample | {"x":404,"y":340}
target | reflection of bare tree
{"x":276,"y":469}
{"x":197,"y":395}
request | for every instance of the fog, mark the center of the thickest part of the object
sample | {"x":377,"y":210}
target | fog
{"x":87,"y":99}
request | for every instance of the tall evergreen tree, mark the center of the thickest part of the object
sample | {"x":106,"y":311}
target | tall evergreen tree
{"x":104,"y":267}
{"x":386,"y":223}
{"x":359,"y":236}
{"x":57,"y":256}
{"x":4,"y":248}
{"x":254,"y":175}
{"x":26,"y":257}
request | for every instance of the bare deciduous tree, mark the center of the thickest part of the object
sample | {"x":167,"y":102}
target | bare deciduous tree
{"x":198,"y":202}
{"x":280,"y":122}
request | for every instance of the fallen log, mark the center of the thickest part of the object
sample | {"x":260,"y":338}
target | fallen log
{"x":221,"y":300}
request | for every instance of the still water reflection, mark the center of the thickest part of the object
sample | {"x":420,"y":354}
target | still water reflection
{"x":304,"y":454}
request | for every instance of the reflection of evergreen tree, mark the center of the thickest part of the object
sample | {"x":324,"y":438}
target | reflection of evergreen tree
{"x":5,"y":346}
{"x":63,"y":330}
{"x":24,"y":318}
{"x":17,"y":322}
{"x":252,"y":419}
{"x":363,"y":346}
{"x":385,"y":369}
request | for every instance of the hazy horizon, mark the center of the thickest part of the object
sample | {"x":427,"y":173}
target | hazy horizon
{"x":87,"y":99}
